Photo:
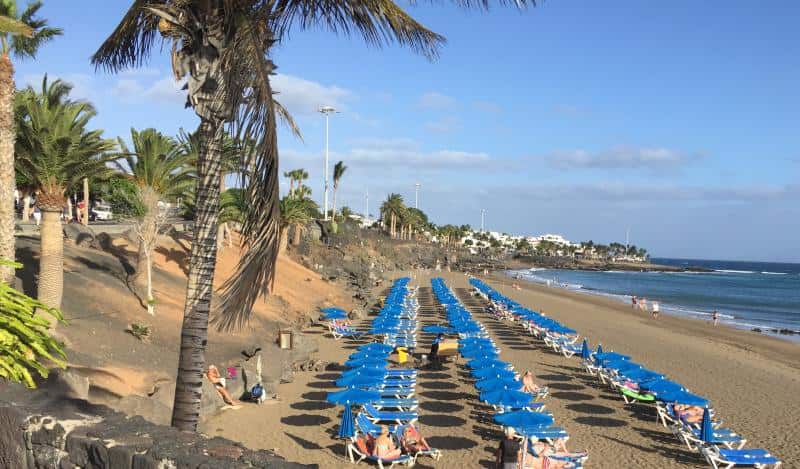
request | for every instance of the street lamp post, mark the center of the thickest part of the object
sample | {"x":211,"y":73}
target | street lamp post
{"x":326,"y":110}
{"x":416,"y":195}
{"x":483,"y":214}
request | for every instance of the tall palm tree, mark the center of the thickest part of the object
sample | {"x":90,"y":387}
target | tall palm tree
{"x":391,"y":210}
{"x":55,"y":150}
{"x":222,"y":48}
{"x":338,"y":171}
{"x":21,"y":34}
{"x":159,"y":168}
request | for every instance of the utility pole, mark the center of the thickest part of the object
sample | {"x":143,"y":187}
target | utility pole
{"x":366,"y":206}
{"x":416,"y":195}
{"x":483,"y":214}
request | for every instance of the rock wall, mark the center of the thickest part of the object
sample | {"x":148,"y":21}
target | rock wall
{"x":69,"y":434}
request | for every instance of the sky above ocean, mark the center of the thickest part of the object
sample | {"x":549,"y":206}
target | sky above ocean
{"x":678,"y":120}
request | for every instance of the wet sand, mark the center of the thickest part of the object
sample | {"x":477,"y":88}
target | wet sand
{"x":750,"y":380}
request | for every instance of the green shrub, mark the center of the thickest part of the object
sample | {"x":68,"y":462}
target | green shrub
{"x":25,"y":341}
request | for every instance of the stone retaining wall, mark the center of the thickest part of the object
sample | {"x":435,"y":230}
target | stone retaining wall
{"x":69,"y":434}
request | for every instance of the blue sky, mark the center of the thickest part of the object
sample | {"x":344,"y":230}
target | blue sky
{"x":676,"y":119}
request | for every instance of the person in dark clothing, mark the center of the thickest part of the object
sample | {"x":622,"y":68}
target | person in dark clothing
{"x":508,"y":451}
{"x":433,"y":356}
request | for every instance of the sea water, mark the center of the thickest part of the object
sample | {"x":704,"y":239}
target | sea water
{"x":747,"y":295}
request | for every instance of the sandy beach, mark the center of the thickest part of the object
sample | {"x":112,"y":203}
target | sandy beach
{"x":750,"y":379}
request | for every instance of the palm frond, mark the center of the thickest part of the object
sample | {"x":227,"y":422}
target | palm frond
{"x":288,"y":120}
{"x":26,"y":46}
{"x":14,"y":26}
{"x":380,"y":22}
{"x":130,"y":43}
{"x":254,"y":122}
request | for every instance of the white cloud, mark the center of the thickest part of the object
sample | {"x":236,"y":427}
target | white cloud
{"x":487,"y":107}
{"x":393,"y":154}
{"x":304,"y":97}
{"x":623,"y":157}
{"x":434,"y":100}
{"x":444,"y":125}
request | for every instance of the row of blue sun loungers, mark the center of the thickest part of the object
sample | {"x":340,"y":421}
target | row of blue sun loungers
{"x":496,"y":381}
{"x":722,"y":448}
{"x":386,"y":396}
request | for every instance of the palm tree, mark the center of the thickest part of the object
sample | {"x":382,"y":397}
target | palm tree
{"x":392,"y":209}
{"x":295,"y":212}
{"x":55,"y":150}
{"x":21,"y":35}
{"x":222,"y":48}
{"x":338,"y":171}
{"x":296,"y":176}
{"x":159,"y":168}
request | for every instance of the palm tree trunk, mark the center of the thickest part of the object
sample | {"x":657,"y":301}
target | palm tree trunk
{"x":284,"y":239}
{"x":51,"y":262}
{"x":7,"y":179}
{"x":194,"y":332}
{"x":26,"y":206}
{"x":86,"y":201}
{"x":335,"y":190}
{"x":298,"y":231}
{"x":148,"y":234}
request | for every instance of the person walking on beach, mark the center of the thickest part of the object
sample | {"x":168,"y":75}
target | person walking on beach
{"x":655,"y":310}
{"x":715,"y":317}
{"x":633,"y":301}
{"x":508,"y":451}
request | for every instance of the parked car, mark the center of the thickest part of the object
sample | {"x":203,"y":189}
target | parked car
{"x":101,"y":212}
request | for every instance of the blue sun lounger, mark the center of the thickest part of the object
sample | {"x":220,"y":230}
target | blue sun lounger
{"x":404,"y":405}
{"x":729,"y":458}
{"x":365,"y":425}
{"x":383,"y":416}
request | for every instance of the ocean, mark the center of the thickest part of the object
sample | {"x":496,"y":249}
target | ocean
{"x":747,"y":295}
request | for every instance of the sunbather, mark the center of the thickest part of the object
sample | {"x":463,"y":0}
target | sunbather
{"x":689,"y":413}
{"x":527,"y":383}
{"x":385,"y":447}
{"x":219,"y":383}
{"x":557,"y":450}
{"x":412,"y":441}
{"x":545,"y":462}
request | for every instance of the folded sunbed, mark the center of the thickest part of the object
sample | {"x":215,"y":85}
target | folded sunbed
{"x":383,"y":416}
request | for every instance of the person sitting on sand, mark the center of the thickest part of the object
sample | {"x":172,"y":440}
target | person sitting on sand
{"x":412,"y":441}
{"x":508,"y":452}
{"x":219,"y":383}
{"x":527,"y":383}
{"x":689,"y":413}
{"x":385,"y":447}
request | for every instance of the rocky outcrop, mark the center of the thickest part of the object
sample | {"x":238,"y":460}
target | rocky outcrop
{"x":79,"y":234}
{"x":61,"y":434}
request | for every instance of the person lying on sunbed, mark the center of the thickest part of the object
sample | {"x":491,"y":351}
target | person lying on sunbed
{"x":385,"y":447}
{"x":545,"y":462}
{"x":413,"y":442}
{"x":558,"y":450}
{"x":528,"y":385}
{"x":219,"y":383}
{"x":689,"y":413}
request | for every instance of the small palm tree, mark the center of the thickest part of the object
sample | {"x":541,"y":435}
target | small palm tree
{"x":159,"y":168}
{"x":55,"y":150}
{"x":296,"y":213}
{"x":338,"y":171}
{"x":21,"y":34}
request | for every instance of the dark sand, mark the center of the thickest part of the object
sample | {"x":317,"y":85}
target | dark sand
{"x":751,"y":380}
